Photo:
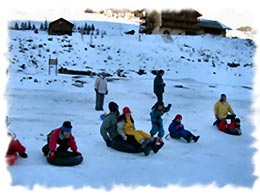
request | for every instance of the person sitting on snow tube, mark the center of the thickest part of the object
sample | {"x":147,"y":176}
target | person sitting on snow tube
{"x":63,"y":137}
{"x":232,"y":128}
{"x":111,"y":136}
{"x":14,"y":148}
{"x":176,"y":130}
{"x":223,"y":110}
{"x":126,"y":127}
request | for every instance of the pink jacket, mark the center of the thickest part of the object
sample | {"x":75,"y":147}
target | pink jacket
{"x":55,"y":136}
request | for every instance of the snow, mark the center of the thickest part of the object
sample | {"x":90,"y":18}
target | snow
{"x":38,"y":102}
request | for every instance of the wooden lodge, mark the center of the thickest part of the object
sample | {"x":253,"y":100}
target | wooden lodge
{"x":60,"y":27}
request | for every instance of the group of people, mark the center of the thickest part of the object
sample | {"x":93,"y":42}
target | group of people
{"x":119,"y":131}
{"x":223,"y":112}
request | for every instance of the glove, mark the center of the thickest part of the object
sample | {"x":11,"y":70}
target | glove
{"x":108,"y":142}
{"x":51,"y":156}
{"x":96,"y":90}
{"x":76,"y":153}
{"x":23,"y":155}
{"x":106,"y":92}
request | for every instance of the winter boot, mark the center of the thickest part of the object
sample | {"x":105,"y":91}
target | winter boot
{"x":195,"y":138}
{"x":159,"y":141}
{"x":147,"y":149}
{"x":45,"y":149}
{"x":156,"y":145}
{"x":189,"y":138}
{"x":144,"y":142}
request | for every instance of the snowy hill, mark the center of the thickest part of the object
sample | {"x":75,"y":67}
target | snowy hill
{"x":197,"y":70}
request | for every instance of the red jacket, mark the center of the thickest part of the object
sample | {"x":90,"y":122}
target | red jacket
{"x":223,"y":125}
{"x":14,"y":147}
{"x":55,"y":136}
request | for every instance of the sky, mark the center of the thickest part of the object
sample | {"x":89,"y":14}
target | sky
{"x":23,"y":117}
{"x":233,"y":14}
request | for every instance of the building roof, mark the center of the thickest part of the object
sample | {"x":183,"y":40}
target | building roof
{"x":212,"y":24}
{"x":62,"y":20}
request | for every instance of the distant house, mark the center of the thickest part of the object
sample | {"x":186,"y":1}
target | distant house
{"x":60,"y":27}
{"x":212,"y":27}
{"x":184,"y":22}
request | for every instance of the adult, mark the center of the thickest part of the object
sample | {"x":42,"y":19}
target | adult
{"x":177,"y":130}
{"x":101,"y":90}
{"x":223,"y":110}
{"x":64,"y":139}
{"x":158,"y":85}
{"x":111,"y":136}
{"x":15,"y":148}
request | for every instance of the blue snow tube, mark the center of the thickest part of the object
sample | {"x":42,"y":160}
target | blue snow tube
{"x":65,"y":159}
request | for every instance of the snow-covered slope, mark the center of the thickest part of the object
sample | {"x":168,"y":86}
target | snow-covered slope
{"x":196,"y":73}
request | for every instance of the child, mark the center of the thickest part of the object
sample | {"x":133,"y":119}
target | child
{"x":177,"y":130}
{"x":64,"y":138}
{"x":157,"y":123}
{"x":232,"y":128}
{"x":15,"y":147}
{"x":125,"y":126}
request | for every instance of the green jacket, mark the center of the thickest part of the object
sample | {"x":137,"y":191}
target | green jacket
{"x":108,"y":129}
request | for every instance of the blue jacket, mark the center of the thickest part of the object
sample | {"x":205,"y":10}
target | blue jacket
{"x":156,"y":114}
{"x":177,"y":130}
{"x":175,"y":127}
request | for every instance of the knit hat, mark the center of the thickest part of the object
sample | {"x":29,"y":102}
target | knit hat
{"x":113,"y":106}
{"x":178,"y":116}
{"x":222,"y":96}
{"x":126,"y":110}
{"x":237,"y":120}
{"x":66,"y":126}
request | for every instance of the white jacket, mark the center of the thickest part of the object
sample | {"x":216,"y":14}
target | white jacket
{"x":101,"y":85}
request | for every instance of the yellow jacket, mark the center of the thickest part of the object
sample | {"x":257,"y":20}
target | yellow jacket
{"x":129,"y":129}
{"x":221,"y":109}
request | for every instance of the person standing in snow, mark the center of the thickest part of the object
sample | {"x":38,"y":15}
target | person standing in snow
{"x":158,"y":85}
{"x":223,"y":110}
{"x":14,"y":148}
{"x":157,"y":123}
{"x":101,"y":90}
{"x":176,"y":130}
{"x":63,"y":137}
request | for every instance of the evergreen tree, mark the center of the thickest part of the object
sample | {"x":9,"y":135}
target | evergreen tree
{"x":45,"y":26}
{"x":16,"y":26}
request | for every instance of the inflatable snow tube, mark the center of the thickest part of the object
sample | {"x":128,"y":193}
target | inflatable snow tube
{"x":233,"y":132}
{"x":65,"y":159}
{"x":129,"y":146}
{"x":123,"y":146}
